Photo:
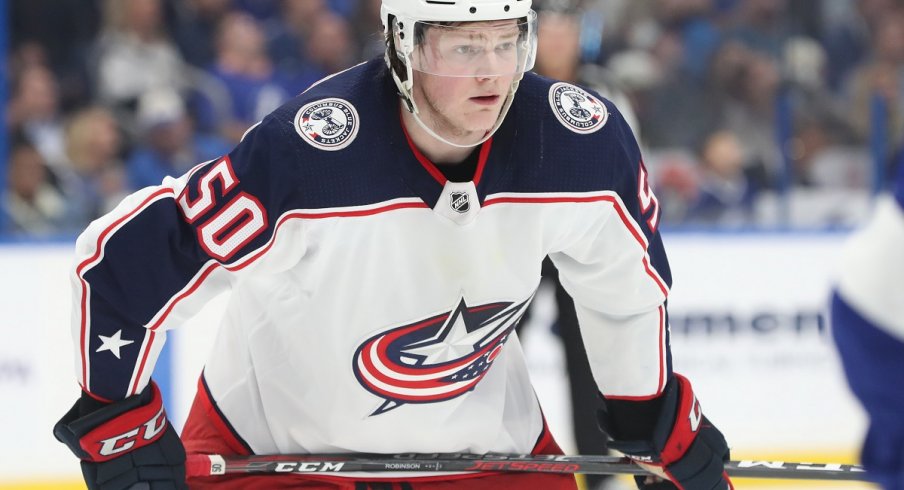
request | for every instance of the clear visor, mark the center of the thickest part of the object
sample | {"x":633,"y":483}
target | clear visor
{"x":475,"y":49}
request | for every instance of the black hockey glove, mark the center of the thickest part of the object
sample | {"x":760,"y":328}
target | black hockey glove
{"x":683,"y":447}
{"x":124,"y":443}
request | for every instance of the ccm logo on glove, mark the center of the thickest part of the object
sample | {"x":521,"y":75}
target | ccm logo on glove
{"x":148,"y":431}
{"x":124,"y":444}
{"x":114,"y":429}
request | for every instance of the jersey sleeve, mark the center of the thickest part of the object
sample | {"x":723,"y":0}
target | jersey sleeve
{"x":152,"y":262}
{"x":614,"y":267}
{"x":868,"y":329}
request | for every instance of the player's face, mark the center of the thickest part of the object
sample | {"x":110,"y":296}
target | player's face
{"x":463,"y":75}
{"x":461,"y":108}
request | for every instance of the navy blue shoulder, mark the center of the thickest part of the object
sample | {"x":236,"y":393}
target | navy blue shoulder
{"x":328,"y":147}
{"x":579,"y":140}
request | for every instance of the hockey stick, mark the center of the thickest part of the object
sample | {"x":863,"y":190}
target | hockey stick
{"x":214,"y":464}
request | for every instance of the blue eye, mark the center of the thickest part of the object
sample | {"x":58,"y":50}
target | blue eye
{"x":466,"y":50}
{"x":505,"y":47}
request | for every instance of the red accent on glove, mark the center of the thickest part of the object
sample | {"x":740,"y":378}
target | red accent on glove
{"x":127,"y":432}
{"x":688,"y":419}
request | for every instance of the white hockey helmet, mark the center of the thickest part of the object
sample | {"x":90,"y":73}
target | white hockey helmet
{"x":404,"y":24}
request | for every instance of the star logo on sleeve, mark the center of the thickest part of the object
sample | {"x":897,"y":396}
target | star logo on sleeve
{"x":113,"y":343}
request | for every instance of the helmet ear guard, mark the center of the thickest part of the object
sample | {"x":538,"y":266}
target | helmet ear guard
{"x":400,"y":70}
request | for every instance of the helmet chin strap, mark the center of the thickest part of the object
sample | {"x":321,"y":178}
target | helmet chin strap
{"x":431,"y":132}
{"x":412,"y":108}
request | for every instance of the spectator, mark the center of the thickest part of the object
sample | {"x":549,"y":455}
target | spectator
{"x":330,"y":45}
{"x":847,"y":34}
{"x":195,"y":28}
{"x":724,"y":193}
{"x":169,"y":145}
{"x":288,"y":44}
{"x":762,"y":26}
{"x":368,"y":35}
{"x":245,"y":70}
{"x":94,"y":180}
{"x":676,"y":173}
{"x":721,"y":63}
{"x":822,"y":161}
{"x":880,"y":78}
{"x":34,"y":111}
{"x":135,"y":55}
{"x":297,"y":20}
{"x":63,"y":30}
{"x":750,"y":109}
{"x":683,"y":47}
{"x":628,"y":24}
{"x":688,"y":24}
{"x":33,"y":207}
{"x":821,"y":149}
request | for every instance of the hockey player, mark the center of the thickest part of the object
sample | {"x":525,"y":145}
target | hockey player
{"x":868,"y":328}
{"x":381,"y":235}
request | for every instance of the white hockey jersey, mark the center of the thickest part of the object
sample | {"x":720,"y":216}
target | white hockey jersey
{"x":373,"y":303}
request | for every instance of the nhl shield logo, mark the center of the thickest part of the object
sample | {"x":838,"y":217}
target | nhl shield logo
{"x":328,"y":124}
{"x":576,"y":109}
{"x":460,"y":202}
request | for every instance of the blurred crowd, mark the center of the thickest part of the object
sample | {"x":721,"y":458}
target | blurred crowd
{"x":739,"y":104}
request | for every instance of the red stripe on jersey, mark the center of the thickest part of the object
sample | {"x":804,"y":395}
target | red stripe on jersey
{"x":97,"y":397}
{"x":662,"y":374}
{"x":616,"y":204}
{"x":422,"y":159}
{"x":241,"y":264}
{"x":662,"y":371}
{"x":638,"y":237}
{"x":354,"y":214}
{"x":213,"y":266}
{"x":430,"y":167}
{"x":482,"y":160}
{"x":543,"y":200}
{"x":144,"y":359}
{"x":192,"y":287}
{"x":209,"y":268}
{"x":91,"y":261}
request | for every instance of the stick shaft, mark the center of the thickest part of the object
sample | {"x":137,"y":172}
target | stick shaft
{"x":207,"y":465}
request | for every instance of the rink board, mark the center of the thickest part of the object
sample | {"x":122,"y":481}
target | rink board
{"x":749,"y":327}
